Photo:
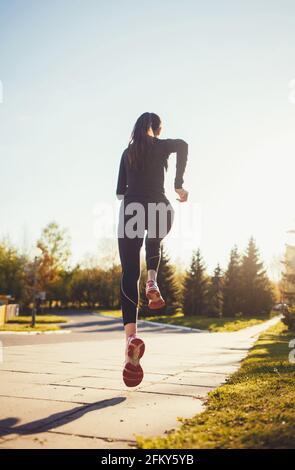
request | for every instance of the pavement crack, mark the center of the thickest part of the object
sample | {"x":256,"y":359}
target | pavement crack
{"x":170,"y":394}
{"x":208,"y":372}
{"x":190,"y":385}
{"x":45,"y":399}
{"x":88,"y":386}
{"x":28,"y":372}
{"x":102,"y":438}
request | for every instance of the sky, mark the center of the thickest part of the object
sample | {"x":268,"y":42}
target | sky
{"x":76,"y":74}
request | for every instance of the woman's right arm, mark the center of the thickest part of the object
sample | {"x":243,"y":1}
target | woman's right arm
{"x":180,"y":147}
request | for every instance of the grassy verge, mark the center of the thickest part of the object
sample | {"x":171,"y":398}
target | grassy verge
{"x":255,"y":409}
{"x":208,"y":323}
{"x":43,"y":323}
{"x":111,"y":313}
{"x":202,"y":323}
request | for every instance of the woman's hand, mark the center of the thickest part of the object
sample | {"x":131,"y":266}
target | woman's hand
{"x":182,"y":193}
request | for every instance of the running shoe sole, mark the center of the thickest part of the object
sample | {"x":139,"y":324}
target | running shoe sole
{"x":133,"y":372}
{"x":155,"y":299}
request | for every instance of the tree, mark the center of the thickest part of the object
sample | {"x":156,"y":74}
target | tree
{"x":12,"y":264}
{"x":109,"y":291}
{"x":143,"y":302}
{"x":84,"y":287}
{"x":215,"y":295}
{"x":195,"y":287}
{"x":62,"y":289}
{"x":288,"y":277}
{"x":257,"y":293}
{"x":55,"y":254}
{"x":95,"y":287}
{"x":166,"y":281}
{"x":232,"y":285}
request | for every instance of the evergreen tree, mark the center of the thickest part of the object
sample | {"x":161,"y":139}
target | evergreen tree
{"x":195,"y":287}
{"x":143,"y":302}
{"x":257,"y":294}
{"x":288,"y":278}
{"x":232,"y":302}
{"x":166,"y":281}
{"x":215,"y":295}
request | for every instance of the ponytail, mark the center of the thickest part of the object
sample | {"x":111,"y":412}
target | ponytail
{"x":140,"y":141}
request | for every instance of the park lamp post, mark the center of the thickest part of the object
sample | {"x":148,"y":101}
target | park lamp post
{"x":35,"y":267}
{"x":36,"y":254}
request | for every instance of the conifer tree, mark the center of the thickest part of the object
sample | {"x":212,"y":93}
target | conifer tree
{"x":195,"y":287}
{"x":257,"y":293}
{"x":215,"y":294}
{"x":232,"y":302}
{"x":287,"y":283}
{"x":166,"y":281}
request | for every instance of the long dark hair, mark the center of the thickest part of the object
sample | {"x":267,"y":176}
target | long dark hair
{"x":140,"y":142}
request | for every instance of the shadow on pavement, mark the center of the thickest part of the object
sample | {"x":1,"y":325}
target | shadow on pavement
{"x":106,"y":324}
{"x":8,"y":425}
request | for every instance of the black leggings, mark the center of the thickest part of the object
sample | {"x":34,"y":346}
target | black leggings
{"x":135,"y":218}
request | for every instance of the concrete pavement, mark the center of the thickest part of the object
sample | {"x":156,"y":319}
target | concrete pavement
{"x":66,"y":391}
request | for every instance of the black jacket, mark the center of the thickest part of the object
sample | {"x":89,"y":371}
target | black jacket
{"x":149,"y":183}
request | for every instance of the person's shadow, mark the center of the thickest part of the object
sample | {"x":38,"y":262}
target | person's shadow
{"x":9,"y":425}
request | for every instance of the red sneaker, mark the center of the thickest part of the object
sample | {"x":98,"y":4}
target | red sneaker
{"x":132,"y":372}
{"x":154,"y":295}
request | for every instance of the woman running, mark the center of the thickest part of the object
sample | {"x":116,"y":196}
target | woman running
{"x":144,"y":207}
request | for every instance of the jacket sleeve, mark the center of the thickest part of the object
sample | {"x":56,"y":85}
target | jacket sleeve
{"x":181,"y":148}
{"x":122,"y":179}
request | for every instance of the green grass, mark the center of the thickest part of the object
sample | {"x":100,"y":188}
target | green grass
{"x":43,"y":323}
{"x":202,"y":323}
{"x":255,"y":409}
{"x":111,"y":313}
{"x":208,"y":323}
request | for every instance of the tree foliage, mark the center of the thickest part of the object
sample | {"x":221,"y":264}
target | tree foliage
{"x":215,"y":294}
{"x":243,"y":289}
{"x":195,"y":287}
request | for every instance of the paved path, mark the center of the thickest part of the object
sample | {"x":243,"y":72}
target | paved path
{"x":65,"y":390}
